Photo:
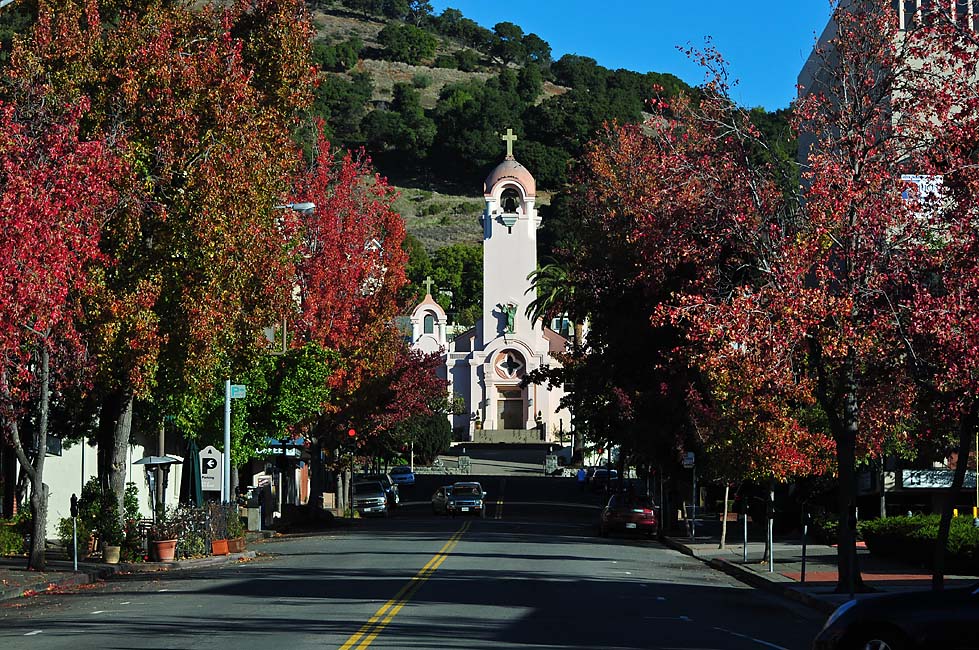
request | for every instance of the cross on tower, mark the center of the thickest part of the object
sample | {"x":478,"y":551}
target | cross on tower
{"x":510,"y":138}
{"x":428,"y":285}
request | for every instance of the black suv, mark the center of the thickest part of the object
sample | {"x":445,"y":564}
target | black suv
{"x":390,"y":487}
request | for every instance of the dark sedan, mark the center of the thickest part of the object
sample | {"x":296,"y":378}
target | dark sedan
{"x":917,"y":620}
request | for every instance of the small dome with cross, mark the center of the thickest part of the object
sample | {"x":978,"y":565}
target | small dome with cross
{"x":510,"y":170}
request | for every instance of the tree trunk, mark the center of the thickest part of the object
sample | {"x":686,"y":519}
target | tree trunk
{"x":769,"y":516}
{"x":115,"y":426}
{"x":727,"y":493}
{"x":967,"y":430}
{"x":39,"y":513}
{"x":35,"y":470}
{"x":846,"y":444}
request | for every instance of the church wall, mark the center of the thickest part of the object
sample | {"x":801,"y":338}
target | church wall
{"x":460,"y":386}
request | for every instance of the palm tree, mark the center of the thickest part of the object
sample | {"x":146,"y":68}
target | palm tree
{"x":555,"y":289}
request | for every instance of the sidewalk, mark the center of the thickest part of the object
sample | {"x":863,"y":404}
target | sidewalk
{"x":16,"y":581}
{"x":881,"y":575}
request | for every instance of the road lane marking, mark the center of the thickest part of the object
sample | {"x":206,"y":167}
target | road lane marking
{"x":369,"y":631}
{"x":34,"y":633}
{"x":751,"y":638}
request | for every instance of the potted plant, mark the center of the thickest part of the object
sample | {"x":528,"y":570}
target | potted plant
{"x":111,"y":534}
{"x":219,"y":530}
{"x":163,"y":537}
{"x":236,"y":531}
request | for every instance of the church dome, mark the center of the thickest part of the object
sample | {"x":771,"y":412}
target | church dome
{"x":510,"y":170}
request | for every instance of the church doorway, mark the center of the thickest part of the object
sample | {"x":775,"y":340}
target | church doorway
{"x":510,"y":405}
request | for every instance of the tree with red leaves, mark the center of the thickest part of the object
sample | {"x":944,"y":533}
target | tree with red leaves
{"x":939,"y":130}
{"x":351,"y":269}
{"x":783,"y":303}
{"x":201,"y":100}
{"x":56,"y":192}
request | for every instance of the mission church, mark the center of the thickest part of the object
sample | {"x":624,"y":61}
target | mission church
{"x":484,"y":366}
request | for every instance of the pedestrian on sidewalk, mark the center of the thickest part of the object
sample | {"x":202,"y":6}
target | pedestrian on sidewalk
{"x":582,"y":478}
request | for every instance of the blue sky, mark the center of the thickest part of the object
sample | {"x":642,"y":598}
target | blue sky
{"x":765,"y":41}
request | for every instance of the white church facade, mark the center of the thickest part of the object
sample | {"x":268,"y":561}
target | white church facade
{"x":485,"y":365}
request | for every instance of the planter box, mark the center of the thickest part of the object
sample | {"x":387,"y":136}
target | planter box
{"x":236,"y":545}
{"x":164,"y":550}
{"x":219,"y":547}
{"x":110,"y":554}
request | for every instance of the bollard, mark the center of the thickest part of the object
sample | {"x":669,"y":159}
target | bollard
{"x":955,"y":512}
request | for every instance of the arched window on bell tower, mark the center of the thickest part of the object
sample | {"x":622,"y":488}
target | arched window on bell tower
{"x":510,"y":200}
{"x":429,"y":324}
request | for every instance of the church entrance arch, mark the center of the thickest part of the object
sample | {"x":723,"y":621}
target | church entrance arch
{"x":510,"y":407}
{"x":510,"y":366}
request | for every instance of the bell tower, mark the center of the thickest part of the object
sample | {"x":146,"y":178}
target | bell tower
{"x":510,"y":224}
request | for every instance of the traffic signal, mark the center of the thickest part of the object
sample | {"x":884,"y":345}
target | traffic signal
{"x":351,"y":433}
{"x":74,"y":505}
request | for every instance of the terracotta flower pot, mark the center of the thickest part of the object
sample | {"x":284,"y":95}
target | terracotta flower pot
{"x":219,"y":547}
{"x":110,"y":554}
{"x":164,"y":549}
{"x":236,"y":545}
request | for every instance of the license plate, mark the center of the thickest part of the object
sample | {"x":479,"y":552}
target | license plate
{"x":630,"y":524}
{"x":465,"y":509}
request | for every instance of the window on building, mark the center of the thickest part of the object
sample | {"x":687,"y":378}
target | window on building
{"x":429,"y":324}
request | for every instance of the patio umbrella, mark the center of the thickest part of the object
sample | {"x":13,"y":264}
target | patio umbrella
{"x":190,"y":478}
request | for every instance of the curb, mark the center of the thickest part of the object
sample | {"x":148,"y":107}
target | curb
{"x":89,"y":575}
{"x":67,"y":580}
{"x":755,"y":579}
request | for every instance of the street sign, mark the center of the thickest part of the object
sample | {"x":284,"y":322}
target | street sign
{"x":688,"y":460}
{"x":237,"y":391}
{"x":211,"y":469}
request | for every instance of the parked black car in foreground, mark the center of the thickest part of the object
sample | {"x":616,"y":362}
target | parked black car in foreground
{"x":917,"y":620}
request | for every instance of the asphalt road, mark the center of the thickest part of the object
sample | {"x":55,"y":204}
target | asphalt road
{"x":531,"y":574}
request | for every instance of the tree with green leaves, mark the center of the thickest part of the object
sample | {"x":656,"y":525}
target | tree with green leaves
{"x":407,"y":43}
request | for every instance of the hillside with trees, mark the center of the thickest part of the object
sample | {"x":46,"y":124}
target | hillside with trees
{"x":428,"y":95}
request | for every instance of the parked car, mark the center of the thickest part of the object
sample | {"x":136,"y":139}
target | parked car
{"x":602,"y":479}
{"x":466,"y":497}
{"x":440,"y":500}
{"x":915,"y":620}
{"x":390,"y":487}
{"x":626,"y":512}
{"x":402,"y":475}
{"x":370,"y":498}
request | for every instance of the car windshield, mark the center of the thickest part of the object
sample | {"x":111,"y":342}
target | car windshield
{"x":467,"y":490}
{"x":403,"y":469}
{"x":381,"y":478}
{"x":369,"y":487}
{"x":630,"y":501}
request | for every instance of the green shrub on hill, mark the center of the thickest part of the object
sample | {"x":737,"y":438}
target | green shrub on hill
{"x":407,"y":43}
{"x":339,"y":57}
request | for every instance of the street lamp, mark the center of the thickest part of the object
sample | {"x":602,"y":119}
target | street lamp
{"x":160,"y":467}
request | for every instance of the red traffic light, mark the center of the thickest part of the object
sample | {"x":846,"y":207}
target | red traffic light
{"x":352,"y":432}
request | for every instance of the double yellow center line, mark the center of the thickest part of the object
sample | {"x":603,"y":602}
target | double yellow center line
{"x":376,"y":623}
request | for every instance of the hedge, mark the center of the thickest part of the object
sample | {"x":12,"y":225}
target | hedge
{"x":912,"y":540}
